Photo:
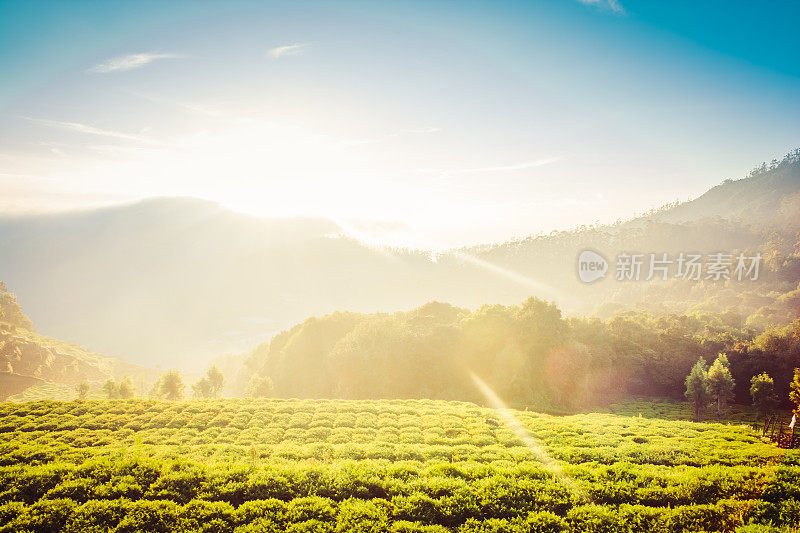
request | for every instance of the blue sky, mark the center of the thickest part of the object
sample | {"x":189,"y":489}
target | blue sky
{"x":447,"y":122}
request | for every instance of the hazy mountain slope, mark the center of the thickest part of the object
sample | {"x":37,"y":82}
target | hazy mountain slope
{"x":24,"y":354}
{"x":758,"y":213}
{"x":759,"y":198}
{"x":175,"y":282}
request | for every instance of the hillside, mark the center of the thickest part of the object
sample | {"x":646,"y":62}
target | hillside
{"x":400,"y":466}
{"x":28,"y":359}
{"x":757,"y":214}
{"x":769,"y":195}
{"x":529,"y":354}
{"x":185,"y":280}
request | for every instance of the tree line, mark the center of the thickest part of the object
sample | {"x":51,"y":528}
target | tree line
{"x":528,"y":354}
{"x":169,"y":386}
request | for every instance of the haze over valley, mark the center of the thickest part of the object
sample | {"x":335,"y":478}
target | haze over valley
{"x":185,"y":280}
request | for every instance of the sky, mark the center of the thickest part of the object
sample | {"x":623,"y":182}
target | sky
{"x":425,"y":124}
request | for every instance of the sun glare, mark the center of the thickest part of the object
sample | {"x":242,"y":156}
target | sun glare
{"x":512,"y":422}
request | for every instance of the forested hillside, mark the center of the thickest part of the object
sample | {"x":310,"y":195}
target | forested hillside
{"x":529,"y":354}
{"x":186,"y":280}
{"x":637,"y":338}
{"x":757,"y":214}
{"x":768,"y":196}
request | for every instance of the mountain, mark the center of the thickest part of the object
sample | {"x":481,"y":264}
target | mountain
{"x":757,"y":214}
{"x":175,"y":281}
{"x":770,"y":194}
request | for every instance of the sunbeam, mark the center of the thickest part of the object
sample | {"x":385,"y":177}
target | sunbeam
{"x":551,"y":465}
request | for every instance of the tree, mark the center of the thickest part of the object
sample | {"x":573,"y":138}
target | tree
{"x":794,"y":391}
{"x":111,"y":389}
{"x":173,"y":386}
{"x":762,"y":390}
{"x":697,"y":387}
{"x":203,"y":388}
{"x":720,"y":383}
{"x":82,"y":389}
{"x":169,"y":386}
{"x":216,"y":380}
{"x":259,"y":387}
{"x":125,"y":388}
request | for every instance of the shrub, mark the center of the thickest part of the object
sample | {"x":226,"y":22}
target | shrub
{"x":362,"y":516}
{"x":48,"y":515}
{"x":311,"y":508}
{"x":158,"y":516}
{"x":199,"y":515}
{"x":97,"y":516}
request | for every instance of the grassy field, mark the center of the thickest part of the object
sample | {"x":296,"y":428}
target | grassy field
{"x":327,"y":465}
{"x":667,"y":409}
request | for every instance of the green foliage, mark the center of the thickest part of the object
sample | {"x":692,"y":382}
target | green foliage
{"x":794,"y":390}
{"x":720,"y":383}
{"x":119,"y":390}
{"x":216,"y":380}
{"x":528,"y":354}
{"x":697,"y":387}
{"x":169,"y":386}
{"x":202,"y":389}
{"x":110,"y":389}
{"x":374,"y":466}
{"x":259,"y":387}
{"x":210,"y":385}
{"x":82,"y":389}
{"x":125,"y":388}
{"x":762,"y":390}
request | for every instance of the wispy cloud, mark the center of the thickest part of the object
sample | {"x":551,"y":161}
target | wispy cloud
{"x":84,"y":128}
{"x":613,"y":5}
{"x":130,"y":62}
{"x":288,"y":50}
{"x":497,"y":168}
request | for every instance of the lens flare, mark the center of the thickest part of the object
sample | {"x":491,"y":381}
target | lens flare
{"x":542,"y":288}
{"x":551,"y":465}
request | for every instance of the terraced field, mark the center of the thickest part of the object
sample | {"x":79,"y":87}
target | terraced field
{"x":411,"y":465}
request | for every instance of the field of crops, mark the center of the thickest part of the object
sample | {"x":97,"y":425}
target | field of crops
{"x":411,"y":465}
{"x":668,"y":409}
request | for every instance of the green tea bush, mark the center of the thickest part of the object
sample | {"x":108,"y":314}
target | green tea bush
{"x":399,"y":465}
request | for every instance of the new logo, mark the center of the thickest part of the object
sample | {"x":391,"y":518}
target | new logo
{"x":591,"y":266}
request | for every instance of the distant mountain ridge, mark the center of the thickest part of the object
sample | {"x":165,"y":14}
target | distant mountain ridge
{"x":177,"y":281}
{"x":762,"y":196}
